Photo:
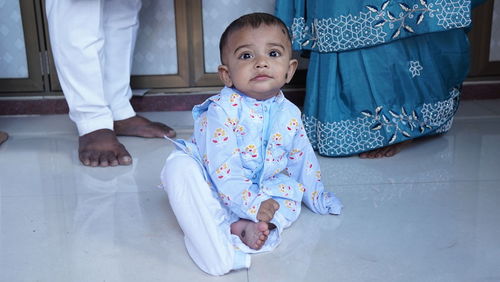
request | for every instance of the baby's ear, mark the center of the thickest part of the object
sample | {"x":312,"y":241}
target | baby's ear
{"x":224,"y":76}
{"x":292,"y":67}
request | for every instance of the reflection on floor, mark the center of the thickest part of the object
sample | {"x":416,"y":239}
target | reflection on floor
{"x":431,"y":213}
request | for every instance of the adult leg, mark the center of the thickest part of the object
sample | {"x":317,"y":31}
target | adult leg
{"x":77,"y":41}
{"x":121,"y":22}
{"x":3,"y":137}
{"x":205,"y":223}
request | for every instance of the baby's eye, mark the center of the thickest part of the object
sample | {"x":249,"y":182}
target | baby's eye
{"x":274,"y":53}
{"x":246,"y":56}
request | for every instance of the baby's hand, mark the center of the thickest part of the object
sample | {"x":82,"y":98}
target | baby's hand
{"x":267,"y":210}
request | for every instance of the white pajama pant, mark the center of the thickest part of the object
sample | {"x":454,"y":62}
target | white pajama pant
{"x":205,"y":223}
{"x":93,"y":42}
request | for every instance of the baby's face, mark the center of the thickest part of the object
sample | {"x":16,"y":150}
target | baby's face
{"x":258,"y":61}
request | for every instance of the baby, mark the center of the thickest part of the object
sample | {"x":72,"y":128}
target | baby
{"x":249,"y":167}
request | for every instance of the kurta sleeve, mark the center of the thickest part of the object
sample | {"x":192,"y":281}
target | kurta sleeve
{"x":218,"y":146}
{"x":303,"y":166}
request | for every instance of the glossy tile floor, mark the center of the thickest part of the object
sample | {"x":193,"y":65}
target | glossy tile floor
{"x":431,"y":213}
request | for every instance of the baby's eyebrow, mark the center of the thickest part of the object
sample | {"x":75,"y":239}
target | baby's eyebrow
{"x":276,"y":45}
{"x":272,"y":44}
{"x":241,"y":47}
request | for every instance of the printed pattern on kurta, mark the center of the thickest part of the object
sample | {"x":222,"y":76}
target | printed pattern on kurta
{"x":255,"y":150}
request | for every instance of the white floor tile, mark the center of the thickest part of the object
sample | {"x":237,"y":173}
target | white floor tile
{"x":394,"y":232}
{"x":491,"y":105}
{"x":469,"y":151}
{"x":430,"y":213}
{"x":101,"y":236}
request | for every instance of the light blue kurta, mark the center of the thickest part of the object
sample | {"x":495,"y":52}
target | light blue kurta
{"x":255,"y":150}
{"x":380,"y":71}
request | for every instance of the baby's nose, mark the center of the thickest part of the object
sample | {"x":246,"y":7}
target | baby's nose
{"x":262,"y":62}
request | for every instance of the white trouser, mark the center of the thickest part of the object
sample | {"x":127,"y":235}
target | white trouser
{"x":93,"y":42}
{"x":205,"y":223}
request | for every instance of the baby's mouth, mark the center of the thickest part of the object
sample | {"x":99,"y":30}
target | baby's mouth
{"x":261,"y":77}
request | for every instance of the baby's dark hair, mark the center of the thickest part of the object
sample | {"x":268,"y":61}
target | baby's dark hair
{"x":253,"y":20}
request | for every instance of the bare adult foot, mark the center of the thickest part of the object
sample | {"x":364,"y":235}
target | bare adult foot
{"x":3,"y":137}
{"x":101,"y":148}
{"x":387,"y":151}
{"x":142,"y":127}
{"x":252,"y":234}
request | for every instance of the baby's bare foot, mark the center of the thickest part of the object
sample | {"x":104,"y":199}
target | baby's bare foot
{"x":387,"y":151}
{"x":101,"y":148}
{"x":142,"y":127}
{"x":252,"y":234}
